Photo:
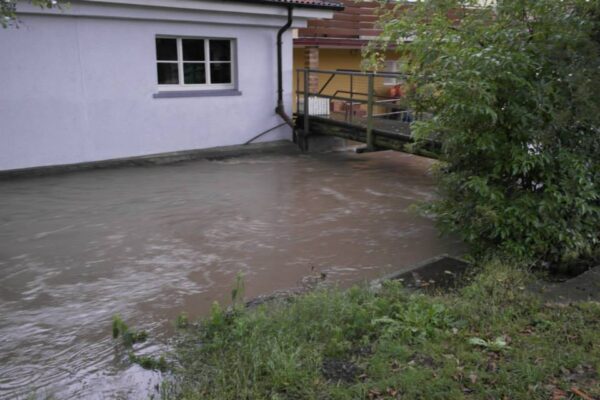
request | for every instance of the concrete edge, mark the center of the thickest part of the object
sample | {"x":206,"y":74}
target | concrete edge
{"x":412,"y":268}
{"x":581,"y":288}
{"x":278,"y":147}
{"x":374,"y":285}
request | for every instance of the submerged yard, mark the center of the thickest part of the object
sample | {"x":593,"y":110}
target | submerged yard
{"x":151,"y":242}
{"x":154,"y":243}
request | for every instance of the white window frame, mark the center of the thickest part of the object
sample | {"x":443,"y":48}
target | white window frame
{"x":197,"y":86}
{"x":391,"y":66}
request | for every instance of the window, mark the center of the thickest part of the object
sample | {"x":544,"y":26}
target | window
{"x":194,"y":63}
{"x":392,"y":66}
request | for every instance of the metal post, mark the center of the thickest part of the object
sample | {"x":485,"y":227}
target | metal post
{"x":351,"y":97}
{"x":370,"y":138}
{"x":297,"y":92}
{"x":306,"y":108}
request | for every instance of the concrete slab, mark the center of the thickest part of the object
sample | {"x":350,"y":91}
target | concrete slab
{"x":585,"y":287}
{"x":439,"y":273}
{"x":213,"y":153}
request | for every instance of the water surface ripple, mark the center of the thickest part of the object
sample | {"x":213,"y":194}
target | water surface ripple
{"x":151,"y":242}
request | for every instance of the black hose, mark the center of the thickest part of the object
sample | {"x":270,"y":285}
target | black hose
{"x":264,"y":133}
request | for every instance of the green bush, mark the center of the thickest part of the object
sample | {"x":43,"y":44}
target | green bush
{"x":514,"y":94}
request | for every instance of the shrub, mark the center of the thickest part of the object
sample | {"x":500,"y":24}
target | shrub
{"x":514,"y":93}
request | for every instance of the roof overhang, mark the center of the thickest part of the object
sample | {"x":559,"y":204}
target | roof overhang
{"x":321,"y":4}
{"x":230,"y":12}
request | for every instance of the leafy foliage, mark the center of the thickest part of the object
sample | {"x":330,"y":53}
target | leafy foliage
{"x":415,"y":321}
{"x":8,"y":9}
{"x":514,"y":93}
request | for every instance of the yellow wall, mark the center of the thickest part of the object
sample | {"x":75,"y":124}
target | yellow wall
{"x":332,"y":59}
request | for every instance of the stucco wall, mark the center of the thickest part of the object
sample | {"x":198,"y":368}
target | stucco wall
{"x":79,"y":89}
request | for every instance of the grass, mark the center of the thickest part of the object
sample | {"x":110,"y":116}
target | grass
{"x":489,"y":340}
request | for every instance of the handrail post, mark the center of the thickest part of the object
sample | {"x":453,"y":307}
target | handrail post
{"x":297,"y":91}
{"x":351,"y":97}
{"x":370,"y":138}
{"x":306,"y":109}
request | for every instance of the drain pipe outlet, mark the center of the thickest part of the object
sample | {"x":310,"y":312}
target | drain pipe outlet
{"x":280,"y":109}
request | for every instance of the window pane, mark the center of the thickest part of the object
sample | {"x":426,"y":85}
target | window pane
{"x":220,"y":73}
{"x":166,"y":49}
{"x":193,"y":49}
{"x":194,"y":73}
{"x":220,"y":50}
{"x":167,"y":74}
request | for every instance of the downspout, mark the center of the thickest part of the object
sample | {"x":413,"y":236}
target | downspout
{"x":280,"y":109}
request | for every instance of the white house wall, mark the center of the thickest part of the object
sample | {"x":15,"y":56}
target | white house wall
{"x":80,"y":89}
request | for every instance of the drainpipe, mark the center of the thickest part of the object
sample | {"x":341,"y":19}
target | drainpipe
{"x":280,"y":109}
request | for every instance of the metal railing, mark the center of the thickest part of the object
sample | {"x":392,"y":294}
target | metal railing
{"x":359,"y":101}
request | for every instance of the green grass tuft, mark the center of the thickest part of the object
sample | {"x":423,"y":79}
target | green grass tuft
{"x":128,"y":337}
{"x":491,"y":339}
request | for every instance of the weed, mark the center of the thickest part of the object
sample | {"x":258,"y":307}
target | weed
{"x":128,"y":337}
{"x":146,"y":362}
{"x":182,"y":321}
{"x":491,"y":339}
{"x":238,"y":291}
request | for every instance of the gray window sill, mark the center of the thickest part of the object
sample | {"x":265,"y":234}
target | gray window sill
{"x":174,"y":94}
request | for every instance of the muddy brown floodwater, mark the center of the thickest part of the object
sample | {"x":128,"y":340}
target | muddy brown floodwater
{"x":152,"y":242}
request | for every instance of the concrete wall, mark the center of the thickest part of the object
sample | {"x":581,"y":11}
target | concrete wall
{"x":78,"y":86}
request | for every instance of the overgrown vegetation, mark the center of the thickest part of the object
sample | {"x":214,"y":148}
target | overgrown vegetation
{"x":514,"y":93}
{"x":491,"y":339}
